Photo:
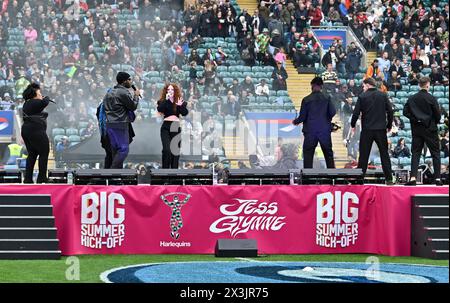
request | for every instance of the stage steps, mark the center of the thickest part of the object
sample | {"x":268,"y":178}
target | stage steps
{"x":430,"y":226}
{"x":27,"y":228}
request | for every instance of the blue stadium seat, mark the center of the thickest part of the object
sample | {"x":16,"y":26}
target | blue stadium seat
{"x":71,"y":131}
{"x":58,"y":131}
{"x":74,"y":138}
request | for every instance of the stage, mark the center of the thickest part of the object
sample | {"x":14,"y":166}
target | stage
{"x":296,"y":219}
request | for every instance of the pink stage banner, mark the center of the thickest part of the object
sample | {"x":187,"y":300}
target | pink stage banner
{"x":190,"y":219}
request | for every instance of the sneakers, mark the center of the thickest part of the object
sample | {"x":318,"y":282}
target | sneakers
{"x":411,"y":183}
{"x":438,"y":182}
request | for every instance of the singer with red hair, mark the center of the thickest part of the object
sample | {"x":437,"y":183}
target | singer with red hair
{"x":171,"y":106}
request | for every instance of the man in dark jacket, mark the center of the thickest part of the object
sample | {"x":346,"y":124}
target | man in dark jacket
{"x":316,"y":113}
{"x":119,"y":107}
{"x":422,"y":109}
{"x":377,"y":117}
{"x":353,"y":60}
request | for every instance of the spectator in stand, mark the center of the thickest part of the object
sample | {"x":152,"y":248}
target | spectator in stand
{"x":218,"y":108}
{"x":401,"y":150}
{"x":247,"y":85}
{"x":30,"y":35}
{"x":413,"y":78}
{"x":233,"y":108}
{"x":384,"y":64}
{"x":397,"y":67}
{"x":393,"y":84}
{"x":329,"y":78}
{"x":63,"y":144}
{"x":262,"y":89}
{"x":330,"y":57}
{"x":353,"y":88}
{"x":279,"y":77}
{"x":435,"y":59}
{"x":221,"y":56}
{"x":444,"y":144}
{"x":353,"y":61}
{"x":436,"y":77}
{"x":373,"y":71}
{"x":234,"y":87}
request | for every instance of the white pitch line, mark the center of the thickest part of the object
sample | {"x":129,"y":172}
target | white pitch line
{"x":247,"y":259}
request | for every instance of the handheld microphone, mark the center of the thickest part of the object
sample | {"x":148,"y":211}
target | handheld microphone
{"x":50,"y":100}
{"x":135,"y":89}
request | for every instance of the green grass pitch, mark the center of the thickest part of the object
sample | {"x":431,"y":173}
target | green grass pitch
{"x":91,"y":266}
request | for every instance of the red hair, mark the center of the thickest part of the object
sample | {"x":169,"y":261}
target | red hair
{"x":176,"y":94}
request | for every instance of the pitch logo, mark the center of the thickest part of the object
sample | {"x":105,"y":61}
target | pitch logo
{"x":336,"y":220}
{"x":248,"y":215}
{"x":175,"y":201}
{"x":3,"y":123}
{"x":102,"y":217}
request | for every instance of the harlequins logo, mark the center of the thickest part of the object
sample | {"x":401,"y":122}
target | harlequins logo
{"x":175,"y":201}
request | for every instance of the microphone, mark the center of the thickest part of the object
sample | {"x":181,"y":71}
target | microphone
{"x":135,"y":89}
{"x":50,"y":100}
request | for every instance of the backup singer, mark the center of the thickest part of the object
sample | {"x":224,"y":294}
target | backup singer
{"x":316,"y":113}
{"x":34,"y":132}
{"x":376,"y":116}
{"x":171,"y":106}
{"x":422,"y":109}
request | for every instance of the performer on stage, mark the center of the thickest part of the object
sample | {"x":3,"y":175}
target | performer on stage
{"x":316,"y":113}
{"x":422,"y":109}
{"x":119,"y":106}
{"x":34,"y":132}
{"x":377,"y":117}
{"x":171,"y":106}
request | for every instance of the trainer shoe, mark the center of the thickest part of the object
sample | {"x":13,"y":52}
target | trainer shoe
{"x":438,"y":182}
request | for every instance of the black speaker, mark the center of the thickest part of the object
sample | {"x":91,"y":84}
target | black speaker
{"x":106,"y":177}
{"x":258,"y":176}
{"x":58,"y":175}
{"x":374,"y":176}
{"x":181,"y":177}
{"x":10,"y":176}
{"x":332,"y":176}
{"x":231,"y":248}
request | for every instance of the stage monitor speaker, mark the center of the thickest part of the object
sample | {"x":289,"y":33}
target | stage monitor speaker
{"x":374,"y":176}
{"x":10,"y":176}
{"x":59,"y":175}
{"x":258,"y":176}
{"x":232,"y":248}
{"x":181,"y":177}
{"x":332,"y":176}
{"x":106,"y":177}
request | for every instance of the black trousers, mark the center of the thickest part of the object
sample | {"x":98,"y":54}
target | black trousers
{"x":365,"y":145}
{"x":171,"y":144}
{"x":309,"y":147}
{"x":38,"y":145}
{"x":421,"y":136}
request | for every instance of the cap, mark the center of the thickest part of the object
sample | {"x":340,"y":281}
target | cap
{"x":122,"y":77}
{"x":265,"y":30}
{"x":6,"y":95}
{"x":317,"y":81}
